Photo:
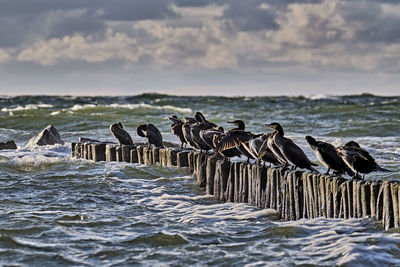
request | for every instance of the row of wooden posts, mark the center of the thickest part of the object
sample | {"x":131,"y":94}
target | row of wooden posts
{"x":293,"y":194}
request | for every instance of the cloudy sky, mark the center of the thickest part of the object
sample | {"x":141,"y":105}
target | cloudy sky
{"x":196,"y":47}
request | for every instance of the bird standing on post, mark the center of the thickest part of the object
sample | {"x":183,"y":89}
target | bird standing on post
{"x":358,"y":159}
{"x":120,"y":134}
{"x":152,"y":134}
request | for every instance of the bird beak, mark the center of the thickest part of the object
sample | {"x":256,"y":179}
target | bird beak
{"x":269,"y":125}
{"x":230,"y":122}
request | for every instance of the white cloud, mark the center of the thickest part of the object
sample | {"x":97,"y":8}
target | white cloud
{"x":78,"y":47}
{"x":4,"y":56}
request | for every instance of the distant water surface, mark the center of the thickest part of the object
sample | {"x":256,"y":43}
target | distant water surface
{"x":56,"y":210}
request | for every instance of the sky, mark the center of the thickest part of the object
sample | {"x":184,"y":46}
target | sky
{"x":199,"y":47}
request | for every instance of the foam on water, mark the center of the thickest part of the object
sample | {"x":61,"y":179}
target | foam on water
{"x":26,"y":107}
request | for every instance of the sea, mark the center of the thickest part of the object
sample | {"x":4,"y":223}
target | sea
{"x":56,"y":210}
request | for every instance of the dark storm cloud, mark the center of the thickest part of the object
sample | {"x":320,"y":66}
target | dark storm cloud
{"x":248,"y":16}
{"x":22,"y":20}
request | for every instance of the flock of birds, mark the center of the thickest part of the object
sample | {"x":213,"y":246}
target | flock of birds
{"x":273,"y":148}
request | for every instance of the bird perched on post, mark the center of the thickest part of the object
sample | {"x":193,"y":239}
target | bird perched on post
{"x":152,"y":134}
{"x":260,"y":148}
{"x":176,"y":129}
{"x":327,"y":155}
{"x":293,"y":154}
{"x":120,"y":134}
{"x":358,"y":159}
{"x":236,"y":138}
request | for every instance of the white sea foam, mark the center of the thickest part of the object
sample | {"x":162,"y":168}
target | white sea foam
{"x":131,"y":107}
{"x":343,"y":242}
{"x":322,"y":96}
{"x":80,"y":107}
{"x":26,"y":107}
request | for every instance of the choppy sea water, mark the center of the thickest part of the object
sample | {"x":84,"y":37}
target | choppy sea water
{"x":57,"y":210}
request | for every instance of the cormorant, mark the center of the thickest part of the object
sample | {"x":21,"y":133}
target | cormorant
{"x":259,"y":147}
{"x":236,"y":137}
{"x":358,"y":159}
{"x":120,"y":134}
{"x":275,"y":150}
{"x":207,"y":135}
{"x":188,"y":122}
{"x":327,"y":155}
{"x":201,"y":124}
{"x":152,"y":134}
{"x":292,"y":152}
{"x":176,"y":129}
{"x":229,"y":153}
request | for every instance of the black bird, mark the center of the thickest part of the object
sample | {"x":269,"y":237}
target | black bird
{"x":293,"y":154}
{"x":259,"y":147}
{"x":228,"y":153}
{"x":236,"y":137}
{"x":152,"y":134}
{"x":327,"y":155}
{"x":207,"y":135}
{"x":120,"y":134}
{"x":176,"y":129}
{"x":201,"y":124}
{"x":188,"y":122}
{"x":358,"y":159}
{"x":275,"y":150}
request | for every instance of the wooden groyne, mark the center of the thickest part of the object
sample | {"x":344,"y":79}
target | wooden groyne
{"x":293,"y":194}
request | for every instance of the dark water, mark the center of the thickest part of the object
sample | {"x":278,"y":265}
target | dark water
{"x":55,"y":210}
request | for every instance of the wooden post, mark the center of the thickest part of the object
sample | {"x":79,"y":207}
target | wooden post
{"x":387,"y":206}
{"x":155,"y":154}
{"x":230,"y":186}
{"x":182,"y":159}
{"x":191,"y":161}
{"x":134,"y":156}
{"x":201,"y":162}
{"x":139,"y":150}
{"x":379,"y":203}
{"x":366,"y":199}
{"x":210,"y":173}
{"x":126,"y":152}
{"x":270,"y":172}
{"x":99,"y":152}
{"x":374,"y":187}
{"x":171,"y":156}
{"x":118,"y":154}
{"x":237,"y":182}
{"x":261,"y":186}
{"x":298,"y":194}
{"x":322,"y":196}
{"x":244,"y":182}
{"x":394,"y":187}
{"x":110,"y":153}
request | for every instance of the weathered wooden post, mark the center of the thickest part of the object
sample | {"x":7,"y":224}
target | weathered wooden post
{"x":182,"y":159}
{"x":99,"y":152}
{"x":126,"y":152}
{"x":110,"y":152}
{"x":210,"y":174}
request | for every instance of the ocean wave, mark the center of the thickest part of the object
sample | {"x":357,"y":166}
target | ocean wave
{"x":322,"y":97}
{"x":27,"y":107}
{"x":131,"y":107}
